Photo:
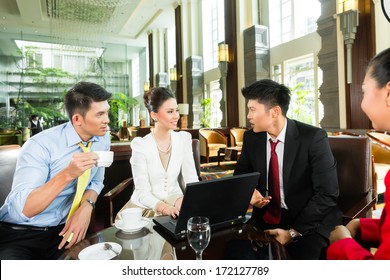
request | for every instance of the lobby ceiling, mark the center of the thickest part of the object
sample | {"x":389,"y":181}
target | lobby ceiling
{"x":117,"y":25}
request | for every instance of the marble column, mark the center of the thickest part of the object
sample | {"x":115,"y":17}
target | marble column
{"x":256,"y":54}
{"x":327,"y":61}
{"x":195,"y":88}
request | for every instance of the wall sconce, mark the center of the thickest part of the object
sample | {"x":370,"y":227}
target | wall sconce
{"x":349,"y":21}
{"x":173,"y":74}
{"x":173,"y":79}
{"x":223,"y":65}
{"x":146,"y":86}
{"x":183,"y":110}
{"x":223,"y":52}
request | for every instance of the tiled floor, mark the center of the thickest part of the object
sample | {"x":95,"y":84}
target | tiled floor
{"x":378,"y":211}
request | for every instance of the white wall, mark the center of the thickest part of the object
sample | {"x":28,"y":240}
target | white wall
{"x":382,"y":28}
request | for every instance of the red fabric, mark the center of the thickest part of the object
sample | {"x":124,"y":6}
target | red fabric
{"x":272,"y":216}
{"x":373,"y":230}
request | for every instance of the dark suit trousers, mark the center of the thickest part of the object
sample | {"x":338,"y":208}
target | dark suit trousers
{"x":310,"y":246}
{"x":29,"y":244}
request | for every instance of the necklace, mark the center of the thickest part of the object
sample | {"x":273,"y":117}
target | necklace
{"x":161,"y":150}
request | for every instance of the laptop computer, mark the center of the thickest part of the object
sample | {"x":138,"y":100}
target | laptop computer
{"x":224,"y":201}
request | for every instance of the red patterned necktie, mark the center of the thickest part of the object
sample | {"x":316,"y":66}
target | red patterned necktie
{"x":272,"y":215}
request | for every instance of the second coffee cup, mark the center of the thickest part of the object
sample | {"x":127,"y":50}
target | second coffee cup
{"x":131,"y":217}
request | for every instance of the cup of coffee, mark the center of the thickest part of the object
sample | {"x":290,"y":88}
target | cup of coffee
{"x":105,"y":158}
{"x":131,"y":217}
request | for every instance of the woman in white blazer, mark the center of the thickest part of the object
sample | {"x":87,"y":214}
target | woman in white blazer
{"x":159,"y":157}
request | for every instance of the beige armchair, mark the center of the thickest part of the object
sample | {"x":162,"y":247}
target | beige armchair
{"x":210,"y":142}
{"x":237,"y":136}
{"x":380,"y":145}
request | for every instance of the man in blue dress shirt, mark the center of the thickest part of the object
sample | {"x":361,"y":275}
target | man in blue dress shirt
{"x":33,"y":219}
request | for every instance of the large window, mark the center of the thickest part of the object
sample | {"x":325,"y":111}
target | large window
{"x":301,"y":75}
{"x":291,"y":19}
{"x":213,"y":23}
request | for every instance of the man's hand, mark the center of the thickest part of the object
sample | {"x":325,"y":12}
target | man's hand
{"x":281,"y":235}
{"x":79,"y":163}
{"x":258,"y":200}
{"x":76,"y":227}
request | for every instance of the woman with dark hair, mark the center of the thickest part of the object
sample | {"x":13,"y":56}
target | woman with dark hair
{"x":159,"y":157}
{"x":376,"y":105}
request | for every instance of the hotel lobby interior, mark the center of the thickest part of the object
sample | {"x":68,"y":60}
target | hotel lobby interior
{"x":205,"y":52}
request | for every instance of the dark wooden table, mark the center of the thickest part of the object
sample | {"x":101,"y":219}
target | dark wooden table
{"x":230,"y":153}
{"x":150,"y":243}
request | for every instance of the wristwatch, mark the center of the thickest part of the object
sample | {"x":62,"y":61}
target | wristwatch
{"x":294,"y":234}
{"x":91,"y":202}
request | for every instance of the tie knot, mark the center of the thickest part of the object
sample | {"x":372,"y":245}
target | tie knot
{"x":85,"y":148}
{"x":273,"y":144}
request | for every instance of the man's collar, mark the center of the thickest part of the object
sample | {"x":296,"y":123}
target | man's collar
{"x":73,"y":138}
{"x":282,"y":135}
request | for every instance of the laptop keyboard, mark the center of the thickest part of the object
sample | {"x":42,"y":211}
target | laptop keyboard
{"x":173,"y":221}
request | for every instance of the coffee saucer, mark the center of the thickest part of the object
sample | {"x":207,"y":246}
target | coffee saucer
{"x":99,"y":252}
{"x":119,"y":225}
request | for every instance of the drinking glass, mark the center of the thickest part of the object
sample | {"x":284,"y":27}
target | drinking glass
{"x":198,"y":234}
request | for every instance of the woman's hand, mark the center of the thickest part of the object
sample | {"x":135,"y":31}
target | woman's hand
{"x":167,"y":209}
{"x":354,"y":227}
{"x":340,"y":232}
{"x":171,"y":211}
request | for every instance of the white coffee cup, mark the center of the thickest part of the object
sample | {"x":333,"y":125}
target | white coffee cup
{"x":105,"y":158}
{"x":131,"y":217}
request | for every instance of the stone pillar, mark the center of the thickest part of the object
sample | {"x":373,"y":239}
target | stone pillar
{"x":256,"y":54}
{"x":162,"y":79}
{"x":195,"y":85}
{"x":327,"y":61}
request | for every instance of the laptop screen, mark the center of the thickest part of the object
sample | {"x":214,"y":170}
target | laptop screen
{"x":224,"y":201}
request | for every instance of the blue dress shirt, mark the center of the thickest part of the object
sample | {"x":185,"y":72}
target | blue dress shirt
{"x":40,"y":159}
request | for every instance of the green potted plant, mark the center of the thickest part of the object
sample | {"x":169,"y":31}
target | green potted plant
{"x":205,"y":117}
{"x":300,"y":105}
{"x":120,"y":103}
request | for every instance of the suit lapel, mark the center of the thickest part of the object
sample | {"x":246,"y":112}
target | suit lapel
{"x":258,"y":154}
{"x":290,"y":150}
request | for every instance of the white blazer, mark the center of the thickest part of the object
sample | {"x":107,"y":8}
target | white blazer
{"x":152,"y":182}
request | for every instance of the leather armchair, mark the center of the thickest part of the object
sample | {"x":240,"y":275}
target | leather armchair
{"x":355,"y":172}
{"x":237,"y":136}
{"x":8,"y":157}
{"x":210,"y":142}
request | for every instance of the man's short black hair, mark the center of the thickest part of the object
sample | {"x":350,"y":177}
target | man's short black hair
{"x":78,"y":99}
{"x":269,"y":93}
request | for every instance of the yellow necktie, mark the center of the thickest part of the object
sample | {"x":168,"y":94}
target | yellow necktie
{"x":81,"y":183}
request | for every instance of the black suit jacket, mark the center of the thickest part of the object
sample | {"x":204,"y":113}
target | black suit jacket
{"x":309,"y":176}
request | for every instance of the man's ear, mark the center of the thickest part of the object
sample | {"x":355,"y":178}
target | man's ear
{"x":276,"y":111}
{"x":76,"y":119}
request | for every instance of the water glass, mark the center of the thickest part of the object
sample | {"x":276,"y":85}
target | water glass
{"x":198,"y":234}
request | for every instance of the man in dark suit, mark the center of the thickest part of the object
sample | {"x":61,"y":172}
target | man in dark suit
{"x":302,"y":210}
